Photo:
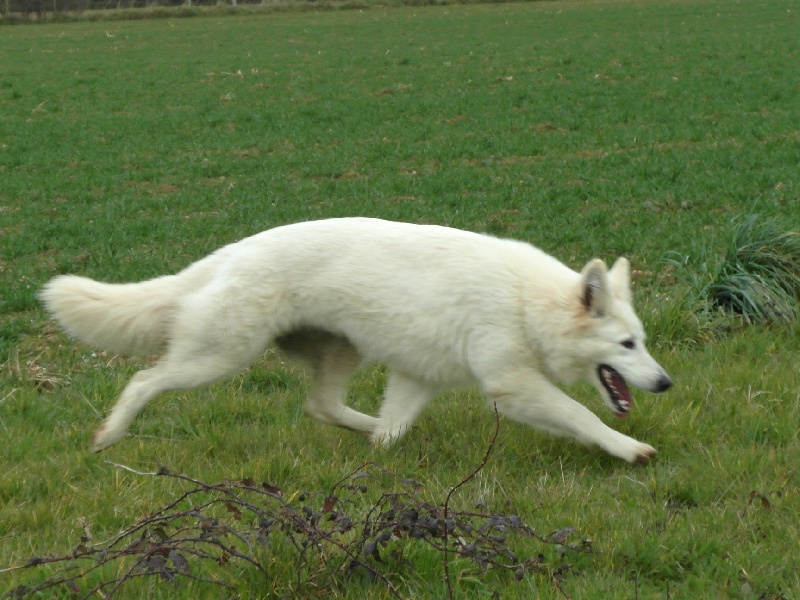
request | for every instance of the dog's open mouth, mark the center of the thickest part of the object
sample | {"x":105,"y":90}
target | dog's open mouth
{"x":617,"y":390}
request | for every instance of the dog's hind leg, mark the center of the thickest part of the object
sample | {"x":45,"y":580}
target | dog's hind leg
{"x":198,"y":354}
{"x":171,"y":373}
{"x":333,"y":360}
{"x":328,"y":394}
{"x":404,"y":399}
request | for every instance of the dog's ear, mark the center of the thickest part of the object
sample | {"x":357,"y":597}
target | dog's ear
{"x":620,"y":278}
{"x":595,"y":292}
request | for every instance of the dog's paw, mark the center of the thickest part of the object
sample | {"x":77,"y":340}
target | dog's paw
{"x":382,"y":438}
{"x":628,"y":449}
{"x":105,"y":437}
{"x":643,"y":453}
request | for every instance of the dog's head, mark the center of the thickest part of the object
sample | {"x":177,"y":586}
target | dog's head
{"x":615,"y":336}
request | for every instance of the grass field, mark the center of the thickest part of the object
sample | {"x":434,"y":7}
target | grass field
{"x":129,"y":149}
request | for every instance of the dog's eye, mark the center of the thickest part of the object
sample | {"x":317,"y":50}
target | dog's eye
{"x":629,"y":344}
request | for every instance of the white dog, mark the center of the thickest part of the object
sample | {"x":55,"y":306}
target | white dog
{"x":441,"y":307}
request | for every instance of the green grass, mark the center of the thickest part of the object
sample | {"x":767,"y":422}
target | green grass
{"x":129,"y":149}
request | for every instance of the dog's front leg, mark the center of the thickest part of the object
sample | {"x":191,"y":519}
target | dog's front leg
{"x":531,"y":399}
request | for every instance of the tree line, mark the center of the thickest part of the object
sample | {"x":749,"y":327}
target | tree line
{"x":38,"y":9}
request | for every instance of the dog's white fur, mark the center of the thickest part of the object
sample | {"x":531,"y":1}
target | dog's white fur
{"x":441,"y":307}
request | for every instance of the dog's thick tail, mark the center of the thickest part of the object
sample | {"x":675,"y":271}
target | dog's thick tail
{"x":129,"y":318}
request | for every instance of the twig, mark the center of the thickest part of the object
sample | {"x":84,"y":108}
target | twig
{"x":446,"y":553}
{"x":97,"y":412}
{"x":8,"y":395}
{"x":127,"y":468}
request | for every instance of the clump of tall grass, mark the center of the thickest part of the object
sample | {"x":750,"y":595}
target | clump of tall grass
{"x":759,"y":278}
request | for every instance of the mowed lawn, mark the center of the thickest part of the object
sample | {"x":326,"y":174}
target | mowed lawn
{"x":128,"y":149}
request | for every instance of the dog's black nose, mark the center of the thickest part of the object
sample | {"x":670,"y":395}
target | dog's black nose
{"x":663,"y":384}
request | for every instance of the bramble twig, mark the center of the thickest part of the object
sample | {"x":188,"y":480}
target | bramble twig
{"x":232,"y":521}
